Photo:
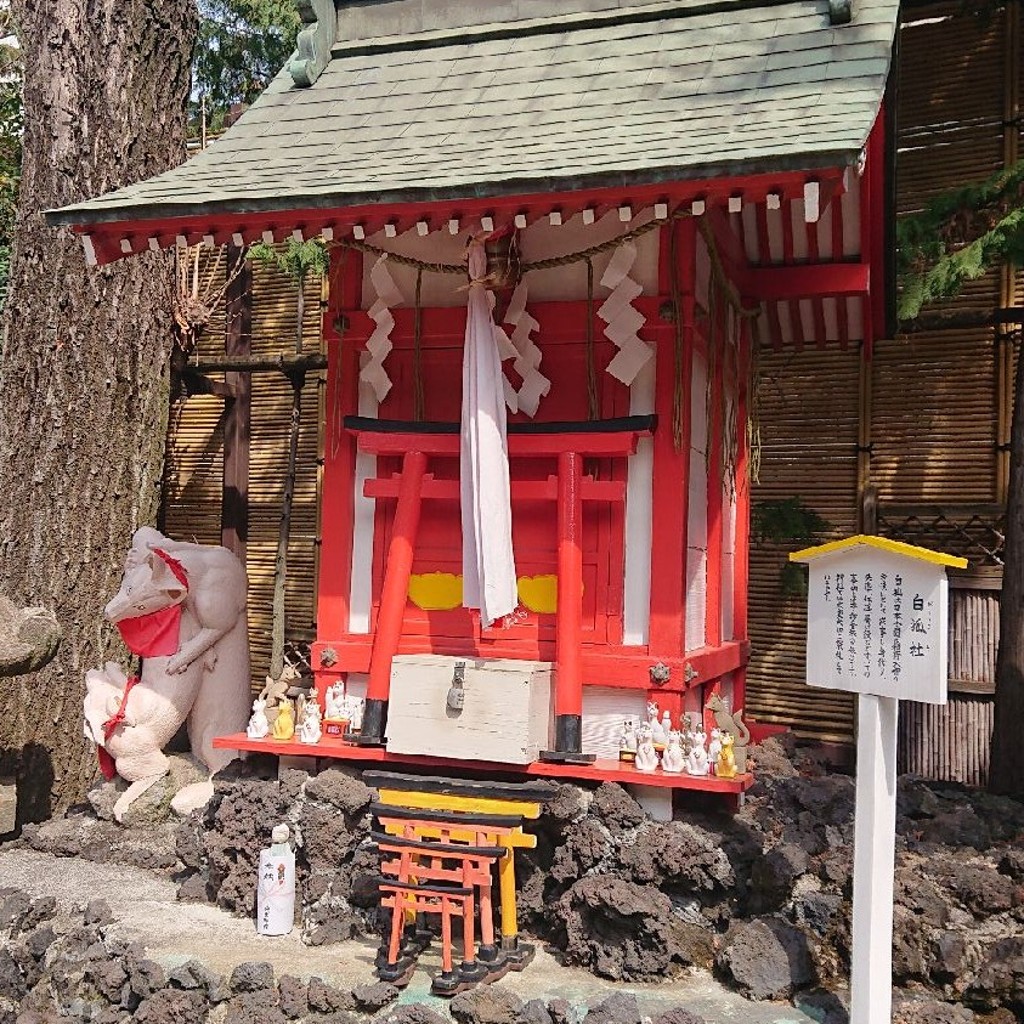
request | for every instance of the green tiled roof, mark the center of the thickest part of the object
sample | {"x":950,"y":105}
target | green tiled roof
{"x":650,"y":91}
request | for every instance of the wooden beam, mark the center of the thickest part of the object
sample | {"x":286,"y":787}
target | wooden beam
{"x":286,"y":364}
{"x":234,"y":507}
{"x":807,"y":280}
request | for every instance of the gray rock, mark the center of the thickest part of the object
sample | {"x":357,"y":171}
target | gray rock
{"x":252,"y":976}
{"x":488,"y":1004}
{"x":144,"y":976}
{"x":619,"y":1008}
{"x":12,"y":981}
{"x":535,"y":1012}
{"x":97,"y":912}
{"x":767,"y":959}
{"x":191,"y":975}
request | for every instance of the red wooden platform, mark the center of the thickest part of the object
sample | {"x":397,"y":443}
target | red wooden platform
{"x":598,"y":771}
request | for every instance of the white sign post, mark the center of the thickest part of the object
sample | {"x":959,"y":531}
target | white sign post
{"x":877,"y":615}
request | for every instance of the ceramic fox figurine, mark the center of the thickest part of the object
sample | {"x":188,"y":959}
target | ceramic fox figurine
{"x":726,"y":767}
{"x":284,"y":723}
{"x":672,"y":760}
{"x":646,"y":755}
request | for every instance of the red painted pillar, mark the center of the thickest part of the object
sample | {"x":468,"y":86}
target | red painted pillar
{"x":393,"y":597}
{"x":569,"y":614}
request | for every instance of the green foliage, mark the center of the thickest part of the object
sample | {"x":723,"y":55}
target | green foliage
{"x":958,"y":237}
{"x":296,"y":259}
{"x":786,"y":521}
{"x":242,"y":44}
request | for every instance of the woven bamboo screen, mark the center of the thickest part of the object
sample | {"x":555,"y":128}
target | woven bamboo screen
{"x":192,"y":500}
{"x":809,"y":421}
{"x":937,"y":408}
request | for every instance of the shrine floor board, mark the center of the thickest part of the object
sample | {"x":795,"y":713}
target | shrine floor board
{"x":602,"y":770}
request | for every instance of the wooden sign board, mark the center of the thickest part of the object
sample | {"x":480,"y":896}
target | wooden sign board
{"x":877,"y":618}
{"x":876,"y":626}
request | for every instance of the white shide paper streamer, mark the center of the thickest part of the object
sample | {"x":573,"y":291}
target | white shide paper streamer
{"x":528,"y":356}
{"x":379,"y":343}
{"x":621,"y":318}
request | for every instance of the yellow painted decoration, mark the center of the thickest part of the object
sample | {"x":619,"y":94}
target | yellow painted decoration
{"x":539,"y":593}
{"x":450,"y":802}
{"x":284,"y":721}
{"x":435,"y":591}
{"x":894,"y":547}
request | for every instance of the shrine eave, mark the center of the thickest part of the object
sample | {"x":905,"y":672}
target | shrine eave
{"x":120,"y":231}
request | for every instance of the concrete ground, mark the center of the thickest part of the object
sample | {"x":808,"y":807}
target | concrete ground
{"x":145,"y":908}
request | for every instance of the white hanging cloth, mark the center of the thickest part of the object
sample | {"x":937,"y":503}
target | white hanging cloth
{"x":488,"y":563}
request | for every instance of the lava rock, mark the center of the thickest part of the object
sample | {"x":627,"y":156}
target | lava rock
{"x":254,"y":1008}
{"x":999,"y":981}
{"x":929,"y":1011}
{"x":97,"y":912}
{"x":375,"y":996}
{"x":252,"y":976}
{"x":562,"y":1012}
{"x":172,"y":1006}
{"x":292,"y":996}
{"x":618,"y":1008}
{"x":535,"y":1012}
{"x":416,"y":1014}
{"x":336,"y":787}
{"x":326,"y":998}
{"x":616,"y":808}
{"x":12,"y":981}
{"x":773,"y":877}
{"x":624,"y":931}
{"x":487,"y":1005}
{"x":767,"y":959}
{"x":678,"y":1015}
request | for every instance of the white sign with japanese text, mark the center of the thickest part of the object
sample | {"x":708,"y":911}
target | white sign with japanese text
{"x":877,"y":623}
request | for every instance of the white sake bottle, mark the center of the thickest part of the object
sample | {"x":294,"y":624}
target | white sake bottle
{"x":275,"y":891}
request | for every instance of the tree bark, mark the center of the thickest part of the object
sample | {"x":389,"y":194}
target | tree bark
{"x":1006,"y":769}
{"x":84,"y":359}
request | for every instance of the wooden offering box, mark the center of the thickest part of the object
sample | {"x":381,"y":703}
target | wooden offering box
{"x":506,"y":712}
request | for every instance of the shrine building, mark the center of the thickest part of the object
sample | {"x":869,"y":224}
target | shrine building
{"x":647,"y":193}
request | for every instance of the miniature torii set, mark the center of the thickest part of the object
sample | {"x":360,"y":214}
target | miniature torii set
{"x":646,"y":190}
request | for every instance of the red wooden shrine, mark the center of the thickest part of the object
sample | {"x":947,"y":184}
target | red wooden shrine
{"x":630,"y":502}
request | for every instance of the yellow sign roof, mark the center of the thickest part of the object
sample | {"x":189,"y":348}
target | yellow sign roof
{"x":894,"y":547}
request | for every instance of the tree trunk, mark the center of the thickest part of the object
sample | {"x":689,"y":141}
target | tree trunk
{"x":83,"y":367}
{"x":1006,"y":771}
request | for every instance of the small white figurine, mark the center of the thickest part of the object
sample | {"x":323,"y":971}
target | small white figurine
{"x":335,"y":701}
{"x":672,"y":759}
{"x":309,"y":721}
{"x":714,"y":749}
{"x":354,"y":712}
{"x":258,"y":727}
{"x":627,"y":740}
{"x":646,"y":755}
{"x":666,"y":724}
{"x":657,"y":729}
{"x":697,"y":762}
